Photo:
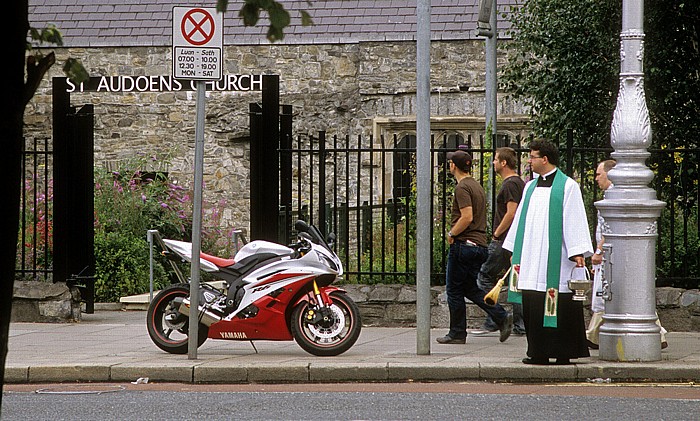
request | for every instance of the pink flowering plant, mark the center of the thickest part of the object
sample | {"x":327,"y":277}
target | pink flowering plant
{"x":35,"y":238}
{"x":129,"y":201}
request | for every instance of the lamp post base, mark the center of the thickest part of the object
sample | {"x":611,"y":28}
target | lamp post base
{"x":632,"y":347}
{"x":633,"y":338}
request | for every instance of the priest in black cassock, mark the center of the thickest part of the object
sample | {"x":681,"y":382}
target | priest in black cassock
{"x":549,"y":238}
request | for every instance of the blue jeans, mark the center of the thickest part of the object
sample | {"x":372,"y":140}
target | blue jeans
{"x":463,"y":264}
{"x":495,"y":265}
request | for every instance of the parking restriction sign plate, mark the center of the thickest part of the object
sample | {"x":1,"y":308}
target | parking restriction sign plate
{"x":197,"y":43}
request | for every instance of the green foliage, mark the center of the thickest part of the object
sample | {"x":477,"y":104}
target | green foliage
{"x":73,"y":68}
{"x":488,"y":136}
{"x":672,"y":85}
{"x":35,"y":238}
{"x":567,"y":71}
{"x":679,"y":253}
{"x":122,"y":267}
{"x":390,"y":255}
{"x":279,"y":18}
{"x":130,"y":201}
{"x":564,"y":64}
{"x":49,"y":35}
{"x":75,"y":71}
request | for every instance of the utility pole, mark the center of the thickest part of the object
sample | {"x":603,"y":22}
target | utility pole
{"x":423,"y":170}
{"x":487,"y":26}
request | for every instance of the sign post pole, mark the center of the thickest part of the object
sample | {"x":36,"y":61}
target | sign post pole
{"x":423,"y":145}
{"x":196,"y":221}
{"x":197,"y":55}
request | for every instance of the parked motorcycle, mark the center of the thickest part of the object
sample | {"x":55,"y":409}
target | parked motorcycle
{"x":269,"y":292}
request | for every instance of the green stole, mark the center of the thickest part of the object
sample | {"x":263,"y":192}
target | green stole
{"x":556,"y":221}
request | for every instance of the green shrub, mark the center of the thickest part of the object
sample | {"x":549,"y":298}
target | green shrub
{"x":131,"y":199}
{"x":677,"y":262}
{"x":123,"y":268}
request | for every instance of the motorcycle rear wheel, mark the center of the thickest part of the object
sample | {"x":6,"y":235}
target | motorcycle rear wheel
{"x":167,"y":327}
{"x":334,"y":338}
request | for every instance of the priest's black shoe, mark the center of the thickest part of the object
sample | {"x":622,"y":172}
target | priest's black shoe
{"x":536,"y":361}
{"x":447,"y":339}
{"x":591,"y":345}
{"x":563,"y":361}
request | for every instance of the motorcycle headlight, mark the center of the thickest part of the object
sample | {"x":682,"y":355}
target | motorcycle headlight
{"x":327,"y":261}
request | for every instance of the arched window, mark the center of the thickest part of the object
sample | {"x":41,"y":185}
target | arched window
{"x":404,"y":161}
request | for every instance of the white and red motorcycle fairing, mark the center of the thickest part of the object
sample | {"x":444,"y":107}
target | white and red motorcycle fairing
{"x":272,"y":292}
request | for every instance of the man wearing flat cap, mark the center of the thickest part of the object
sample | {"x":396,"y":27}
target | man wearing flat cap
{"x":467,"y":239}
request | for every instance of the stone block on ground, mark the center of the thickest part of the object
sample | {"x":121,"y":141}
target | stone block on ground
{"x":41,"y":302}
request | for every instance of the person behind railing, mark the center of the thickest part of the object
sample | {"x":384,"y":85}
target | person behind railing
{"x":467,"y":239}
{"x":597,"y":304}
{"x":498,"y":261}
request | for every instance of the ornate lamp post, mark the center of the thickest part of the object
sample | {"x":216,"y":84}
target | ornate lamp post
{"x":630,"y":209}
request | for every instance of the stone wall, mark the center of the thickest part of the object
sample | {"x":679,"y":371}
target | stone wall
{"x":395,"y":305}
{"x":380,"y":305}
{"x":340,"y":88}
{"x":44,"y":302}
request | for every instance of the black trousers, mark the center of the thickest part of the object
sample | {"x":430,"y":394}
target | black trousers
{"x":567,"y":340}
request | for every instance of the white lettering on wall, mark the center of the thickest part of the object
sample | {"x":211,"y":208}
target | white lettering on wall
{"x":164,"y":84}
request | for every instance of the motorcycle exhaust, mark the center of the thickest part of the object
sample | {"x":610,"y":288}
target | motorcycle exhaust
{"x":205,"y":316}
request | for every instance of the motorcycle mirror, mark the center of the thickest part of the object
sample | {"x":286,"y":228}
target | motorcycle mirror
{"x":301,"y":226}
{"x":331,"y":238}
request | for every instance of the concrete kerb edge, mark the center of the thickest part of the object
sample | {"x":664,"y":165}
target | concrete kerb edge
{"x":639,"y":373}
{"x":220,"y":374}
{"x":369,"y":372}
{"x":275,"y":373}
{"x":68,"y":373}
{"x":181,"y":374}
{"x":518,"y":372}
{"x":509,"y":372}
{"x":421,"y":372}
{"x":16,"y":375}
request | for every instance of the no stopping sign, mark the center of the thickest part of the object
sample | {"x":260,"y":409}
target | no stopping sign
{"x":197,"y":43}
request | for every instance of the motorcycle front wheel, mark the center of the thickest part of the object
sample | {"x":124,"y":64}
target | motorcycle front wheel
{"x":167,"y":327}
{"x":333,"y":335}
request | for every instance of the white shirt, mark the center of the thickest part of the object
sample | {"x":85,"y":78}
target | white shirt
{"x":576,"y":237}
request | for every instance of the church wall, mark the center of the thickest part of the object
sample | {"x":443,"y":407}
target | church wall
{"x":343,"y":89}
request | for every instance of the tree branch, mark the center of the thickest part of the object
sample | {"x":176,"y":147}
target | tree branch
{"x":35,"y":74}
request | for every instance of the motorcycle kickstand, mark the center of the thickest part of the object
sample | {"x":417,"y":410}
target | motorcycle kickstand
{"x":256,"y":349}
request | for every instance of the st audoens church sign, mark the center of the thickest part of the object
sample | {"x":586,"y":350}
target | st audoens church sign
{"x":162,"y":83}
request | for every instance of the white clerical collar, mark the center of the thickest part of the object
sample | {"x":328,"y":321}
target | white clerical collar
{"x":544,"y":176}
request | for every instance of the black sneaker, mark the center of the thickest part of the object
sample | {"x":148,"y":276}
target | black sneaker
{"x":484,"y":330}
{"x":506,"y":327}
{"x":518,"y":331}
{"x":447,"y":339}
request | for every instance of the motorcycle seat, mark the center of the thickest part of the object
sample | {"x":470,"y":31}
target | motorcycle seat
{"x":218,"y":261}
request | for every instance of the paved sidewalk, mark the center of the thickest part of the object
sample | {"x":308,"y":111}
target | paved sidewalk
{"x":113,"y":346}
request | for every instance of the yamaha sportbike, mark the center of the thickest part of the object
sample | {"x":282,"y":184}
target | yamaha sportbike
{"x":269,"y":292}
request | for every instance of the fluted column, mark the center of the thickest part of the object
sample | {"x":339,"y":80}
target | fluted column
{"x":630,"y":209}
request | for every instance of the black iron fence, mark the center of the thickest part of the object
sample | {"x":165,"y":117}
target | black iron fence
{"x":363,"y":190}
{"x":367,"y":189}
{"x":34,"y":248}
